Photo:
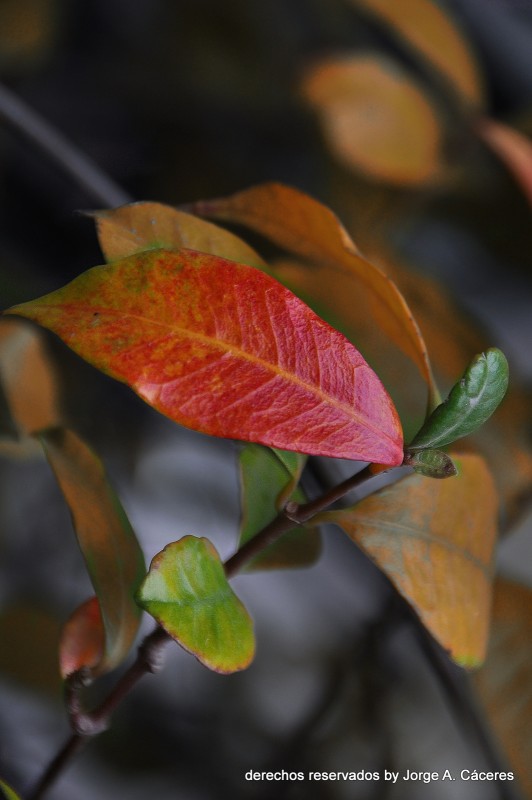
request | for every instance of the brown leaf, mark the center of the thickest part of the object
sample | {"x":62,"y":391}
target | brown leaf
{"x":143,"y":226}
{"x":435,"y":37}
{"x":505,"y":680}
{"x":376,"y":119}
{"x":28,"y":377}
{"x":435,"y":541}
{"x":111,"y":551}
{"x":309,"y":230}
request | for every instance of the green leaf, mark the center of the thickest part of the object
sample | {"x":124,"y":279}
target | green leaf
{"x":110,"y":548}
{"x":431,"y":463}
{"x":187,"y":592}
{"x":8,"y":793}
{"x":471,"y":402}
{"x":268,"y":479}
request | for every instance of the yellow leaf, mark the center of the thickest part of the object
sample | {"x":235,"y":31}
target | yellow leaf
{"x":435,"y":541}
{"x":432,"y":34}
{"x":137,"y":227}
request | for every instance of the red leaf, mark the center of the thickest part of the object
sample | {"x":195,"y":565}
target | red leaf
{"x":227,"y":350}
{"x":310,"y":230}
{"x":83,"y":639}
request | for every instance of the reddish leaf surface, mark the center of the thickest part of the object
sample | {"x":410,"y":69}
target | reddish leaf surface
{"x":225,"y":349}
{"x":83,"y":639}
{"x":435,"y":541}
{"x":375,"y":119}
{"x":136,"y":227}
{"x":308,"y":229}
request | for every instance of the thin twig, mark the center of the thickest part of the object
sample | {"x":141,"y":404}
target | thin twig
{"x":293,"y":514}
{"x":73,"y":745}
{"x":85,"y":725}
{"x":85,"y":172}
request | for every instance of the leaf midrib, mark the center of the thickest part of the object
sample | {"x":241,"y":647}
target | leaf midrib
{"x":244,"y":355}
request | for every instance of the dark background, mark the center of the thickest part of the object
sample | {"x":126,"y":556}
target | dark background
{"x":178,"y":100}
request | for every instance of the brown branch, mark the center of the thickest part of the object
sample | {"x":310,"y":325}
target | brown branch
{"x":149,"y":659}
{"x":85,"y":725}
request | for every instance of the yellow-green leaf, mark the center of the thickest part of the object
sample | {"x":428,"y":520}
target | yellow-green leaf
{"x":187,"y":592}
{"x":110,"y":548}
{"x":435,"y":542}
{"x":8,"y":792}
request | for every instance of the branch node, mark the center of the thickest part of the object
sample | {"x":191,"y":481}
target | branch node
{"x":291,"y":511}
{"x":151,"y":651}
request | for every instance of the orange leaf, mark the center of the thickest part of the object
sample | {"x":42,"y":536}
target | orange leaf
{"x":435,"y":541}
{"x":28,"y":377}
{"x":436,"y":38}
{"x":136,"y":227}
{"x":505,"y":680}
{"x":111,"y":551}
{"x":308,"y":229}
{"x":83,"y":639}
{"x":376,"y":119}
{"x":225,"y":349}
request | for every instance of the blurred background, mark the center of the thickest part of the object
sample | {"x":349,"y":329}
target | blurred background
{"x":411,"y":121}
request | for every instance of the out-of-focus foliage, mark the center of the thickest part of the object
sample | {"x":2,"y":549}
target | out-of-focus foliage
{"x":199,"y":99}
{"x":505,"y":681}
